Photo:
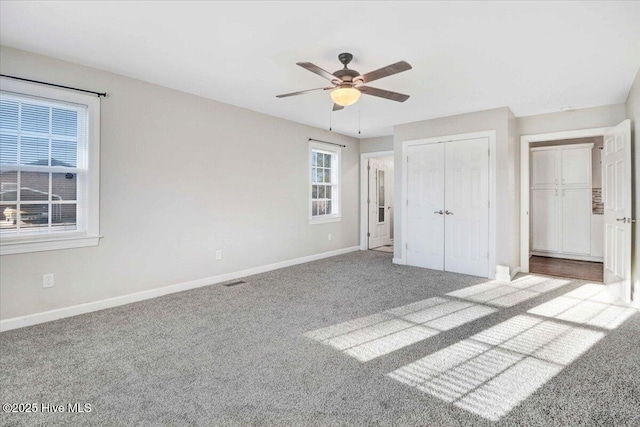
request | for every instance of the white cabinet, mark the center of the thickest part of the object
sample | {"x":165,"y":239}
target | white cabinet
{"x":544,"y":215}
{"x":561,"y":200}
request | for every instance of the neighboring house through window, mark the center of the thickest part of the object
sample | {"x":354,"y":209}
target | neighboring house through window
{"x":49,"y":159}
{"x":325,"y":183}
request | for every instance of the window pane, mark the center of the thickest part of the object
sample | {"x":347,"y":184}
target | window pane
{"x":314,"y":158}
{"x":8,"y":217}
{"x":63,"y":216}
{"x":381,"y":188}
{"x":63,"y":186}
{"x":322,"y":206}
{"x":8,"y":186}
{"x":34,"y":216}
{"x":8,"y":149}
{"x":321,"y":192}
{"x":320,"y":175}
{"x":314,"y":208}
{"x":380,"y":214}
{"x":34,"y":151}
{"x":34,"y":186}
{"x":35,"y":118}
{"x":314,"y":191}
{"x":329,"y":205}
{"x":327,"y":175}
{"x":320,"y":159}
{"x":327,"y":192}
{"x":64,"y":122}
{"x":327,"y":160}
{"x":9,"y":114}
{"x":64,"y":153}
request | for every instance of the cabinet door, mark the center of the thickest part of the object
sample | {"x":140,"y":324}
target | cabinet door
{"x":544,"y":168}
{"x":544,"y":220}
{"x":576,"y":221}
{"x":576,"y":167}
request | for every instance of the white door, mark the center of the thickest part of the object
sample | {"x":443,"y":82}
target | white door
{"x":467,"y":207}
{"x":545,"y":228}
{"x":425,"y":206}
{"x":379,"y":207}
{"x":616,"y":170}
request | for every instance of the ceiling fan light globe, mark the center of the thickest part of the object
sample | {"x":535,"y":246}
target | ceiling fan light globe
{"x":345,"y":96}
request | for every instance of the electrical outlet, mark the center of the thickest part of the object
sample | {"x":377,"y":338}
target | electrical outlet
{"x":47,"y":280}
{"x":329,"y":236}
{"x":218,"y":254}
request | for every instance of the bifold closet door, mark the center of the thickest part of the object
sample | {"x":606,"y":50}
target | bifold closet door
{"x":425,"y":196}
{"x":467,"y":207}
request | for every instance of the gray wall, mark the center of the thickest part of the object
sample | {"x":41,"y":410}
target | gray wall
{"x":633,"y":112}
{"x":507,"y":177}
{"x":379,"y":143}
{"x":181,"y":176}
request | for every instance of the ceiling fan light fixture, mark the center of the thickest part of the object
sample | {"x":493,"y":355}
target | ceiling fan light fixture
{"x":345,"y":96}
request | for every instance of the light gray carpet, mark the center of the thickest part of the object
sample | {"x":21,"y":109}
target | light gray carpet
{"x":238,"y":356}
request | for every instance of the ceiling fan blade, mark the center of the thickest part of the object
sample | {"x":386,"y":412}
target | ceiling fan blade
{"x":337,"y":107}
{"x":319,"y":71}
{"x":302,"y":92}
{"x":387,"y":94}
{"x":389,"y":70}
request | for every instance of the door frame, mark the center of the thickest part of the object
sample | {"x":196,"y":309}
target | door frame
{"x":525,"y":145}
{"x":491,"y":135}
{"x":364,"y":193}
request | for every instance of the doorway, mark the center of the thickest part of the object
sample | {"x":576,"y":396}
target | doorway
{"x":616,"y":201}
{"x":566,"y":208}
{"x":380,"y":203}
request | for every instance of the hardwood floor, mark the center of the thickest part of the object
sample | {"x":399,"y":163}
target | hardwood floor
{"x":585,"y":270}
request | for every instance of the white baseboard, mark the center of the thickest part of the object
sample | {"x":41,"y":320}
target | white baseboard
{"x":74,"y":310}
{"x":515,"y":271}
{"x":502,"y":273}
{"x":400,"y":261}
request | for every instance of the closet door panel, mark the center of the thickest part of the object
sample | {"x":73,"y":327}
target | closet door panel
{"x":467,"y":210}
{"x":576,"y":167}
{"x":544,"y":168}
{"x":425,"y":195}
{"x":544,"y":220}
{"x":576,"y":221}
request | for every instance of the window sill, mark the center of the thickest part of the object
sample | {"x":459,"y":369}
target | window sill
{"x":39,"y":244}
{"x":324,"y":220}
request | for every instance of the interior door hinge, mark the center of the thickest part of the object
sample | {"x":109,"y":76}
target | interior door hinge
{"x":489,"y":203}
{"x":368,"y":234}
{"x":406,"y":246}
{"x":407,"y":202}
{"x":489,"y":152}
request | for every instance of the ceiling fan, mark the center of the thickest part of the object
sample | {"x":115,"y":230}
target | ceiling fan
{"x":349,"y":84}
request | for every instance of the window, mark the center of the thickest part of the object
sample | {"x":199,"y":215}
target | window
{"x":325,"y":183}
{"x":49,"y":148}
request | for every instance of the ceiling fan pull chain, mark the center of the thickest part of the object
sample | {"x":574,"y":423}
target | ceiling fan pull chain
{"x":330,"y":117}
{"x":359,"y":117}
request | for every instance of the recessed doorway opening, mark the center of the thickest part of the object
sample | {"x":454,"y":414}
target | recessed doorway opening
{"x":380,"y":203}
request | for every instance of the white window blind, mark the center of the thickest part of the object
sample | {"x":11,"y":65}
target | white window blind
{"x":43,"y":166}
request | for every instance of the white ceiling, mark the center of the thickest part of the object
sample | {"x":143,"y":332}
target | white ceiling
{"x":534,"y":57}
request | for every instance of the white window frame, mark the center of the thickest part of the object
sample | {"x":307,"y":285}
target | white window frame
{"x":336,"y":192}
{"x":88,"y":219}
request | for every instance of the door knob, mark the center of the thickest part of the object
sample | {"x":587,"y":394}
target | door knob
{"x":438,"y":212}
{"x":448,"y":213}
{"x":621,"y":219}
